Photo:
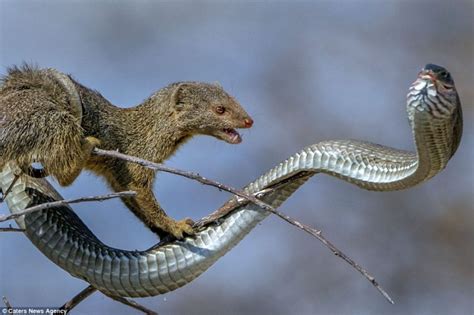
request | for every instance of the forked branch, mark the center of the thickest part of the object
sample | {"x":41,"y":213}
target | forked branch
{"x":78,"y":298}
{"x":81,"y":296}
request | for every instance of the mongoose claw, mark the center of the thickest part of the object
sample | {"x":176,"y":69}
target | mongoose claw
{"x":179,"y":228}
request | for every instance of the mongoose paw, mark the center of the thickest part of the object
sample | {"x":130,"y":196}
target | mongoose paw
{"x":179,"y":228}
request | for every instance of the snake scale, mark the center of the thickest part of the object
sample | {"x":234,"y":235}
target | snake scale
{"x":435,"y":116}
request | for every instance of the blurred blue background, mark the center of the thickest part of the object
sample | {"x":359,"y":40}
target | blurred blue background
{"x":306,"y":72}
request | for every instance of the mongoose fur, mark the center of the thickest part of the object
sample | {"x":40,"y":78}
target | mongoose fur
{"x":48,"y":117}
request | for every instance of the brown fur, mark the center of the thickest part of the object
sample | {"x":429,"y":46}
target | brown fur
{"x":37,"y":124}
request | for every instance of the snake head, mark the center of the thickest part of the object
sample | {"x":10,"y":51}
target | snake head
{"x":439,"y":76}
{"x":438,"y":73}
{"x":433,"y":92}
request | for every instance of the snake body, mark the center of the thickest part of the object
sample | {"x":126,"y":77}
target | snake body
{"x":435,"y":117}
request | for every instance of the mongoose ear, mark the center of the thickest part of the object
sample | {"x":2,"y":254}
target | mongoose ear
{"x":216,"y":83}
{"x":177,"y":96}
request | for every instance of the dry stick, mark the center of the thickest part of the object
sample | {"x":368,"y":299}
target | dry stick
{"x":316,"y":233}
{"x":132,"y":304}
{"x":69,"y":305}
{"x":11,"y":229}
{"x":81,"y":296}
{"x":58,"y":203}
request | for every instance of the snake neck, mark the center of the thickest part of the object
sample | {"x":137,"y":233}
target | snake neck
{"x":434,"y":149}
{"x":436,"y":119}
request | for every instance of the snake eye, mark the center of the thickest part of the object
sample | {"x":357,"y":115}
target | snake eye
{"x":445,"y":76}
{"x":220,"y":110}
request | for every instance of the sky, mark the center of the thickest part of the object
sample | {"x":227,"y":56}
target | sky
{"x":305,"y":72}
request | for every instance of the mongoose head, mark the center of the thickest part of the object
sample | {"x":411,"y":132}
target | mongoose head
{"x":203,"y":108}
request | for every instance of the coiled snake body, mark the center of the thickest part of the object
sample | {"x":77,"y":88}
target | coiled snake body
{"x":435,"y":116}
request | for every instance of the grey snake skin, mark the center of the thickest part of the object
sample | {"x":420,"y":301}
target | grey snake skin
{"x":435,"y":117}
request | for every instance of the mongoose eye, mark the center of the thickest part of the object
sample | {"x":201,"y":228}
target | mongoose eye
{"x":220,"y":110}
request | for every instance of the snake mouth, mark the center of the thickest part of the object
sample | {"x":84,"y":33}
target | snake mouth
{"x":427,"y":75}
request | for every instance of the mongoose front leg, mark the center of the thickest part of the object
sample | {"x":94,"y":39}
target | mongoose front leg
{"x":69,"y":175}
{"x":124,"y":176}
{"x":147,"y":208}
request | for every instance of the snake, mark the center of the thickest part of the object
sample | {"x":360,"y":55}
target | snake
{"x":434,"y":114}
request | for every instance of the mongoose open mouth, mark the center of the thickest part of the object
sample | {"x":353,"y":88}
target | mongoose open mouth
{"x":229,"y":135}
{"x":232,"y":136}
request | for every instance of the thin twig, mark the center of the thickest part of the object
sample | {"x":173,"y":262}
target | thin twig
{"x":81,"y":296}
{"x":78,"y":298}
{"x":10,"y":228}
{"x":8,"y":305}
{"x":195,"y":176}
{"x":132,"y":304}
{"x":318,"y":234}
{"x":58,"y":203}
{"x":231,"y":206}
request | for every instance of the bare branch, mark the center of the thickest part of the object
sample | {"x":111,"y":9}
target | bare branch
{"x":81,"y":296}
{"x":195,"y":176}
{"x":58,"y":203}
{"x":78,"y":298}
{"x":11,"y":229}
{"x":318,"y":234}
{"x":132,"y":304}
{"x":230,"y":206}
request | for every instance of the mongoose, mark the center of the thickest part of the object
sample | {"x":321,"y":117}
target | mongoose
{"x":48,"y":117}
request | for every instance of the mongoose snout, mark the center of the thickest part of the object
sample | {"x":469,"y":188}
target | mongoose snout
{"x":248,"y":122}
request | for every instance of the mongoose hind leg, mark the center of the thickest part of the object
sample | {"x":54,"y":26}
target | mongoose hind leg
{"x":69,"y":176}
